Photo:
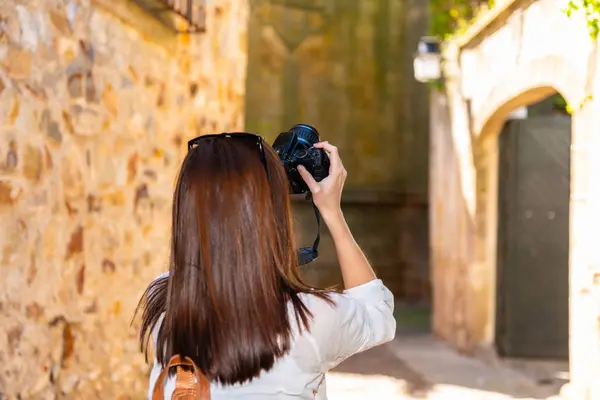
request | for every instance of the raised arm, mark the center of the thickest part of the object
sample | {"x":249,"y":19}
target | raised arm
{"x":327,"y":195}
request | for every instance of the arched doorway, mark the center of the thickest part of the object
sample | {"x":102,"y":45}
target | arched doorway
{"x":532,"y":294}
{"x":479,"y":105}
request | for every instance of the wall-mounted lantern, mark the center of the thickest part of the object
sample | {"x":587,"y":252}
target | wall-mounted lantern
{"x":428,"y":60}
{"x":182,"y":16}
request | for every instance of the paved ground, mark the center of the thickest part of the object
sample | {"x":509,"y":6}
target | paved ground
{"x":417,"y":366}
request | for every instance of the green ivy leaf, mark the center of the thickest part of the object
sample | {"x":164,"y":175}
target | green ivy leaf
{"x":591,"y":10}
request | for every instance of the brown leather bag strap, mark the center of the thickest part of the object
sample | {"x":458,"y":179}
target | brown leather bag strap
{"x":190,"y":382}
{"x":159,"y":386}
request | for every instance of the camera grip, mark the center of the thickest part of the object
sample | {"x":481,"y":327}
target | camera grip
{"x":319,"y":164}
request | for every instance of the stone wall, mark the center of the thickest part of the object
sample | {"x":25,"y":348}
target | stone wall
{"x":345,"y":66}
{"x":96,"y":102}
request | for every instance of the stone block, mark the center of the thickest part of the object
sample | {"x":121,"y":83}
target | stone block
{"x":32,"y":163}
{"x":17,"y":63}
{"x":60,"y":22}
{"x":75,"y":244}
{"x":9,"y":193}
{"x":85,"y":120}
{"x":12,"y":157}
{"x":9,"y":106}
{"x":73,"y":185}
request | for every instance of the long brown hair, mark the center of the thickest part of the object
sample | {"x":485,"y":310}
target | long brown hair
{"x":233,"y":265}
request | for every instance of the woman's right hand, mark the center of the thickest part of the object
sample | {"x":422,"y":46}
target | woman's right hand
{"x":327,"y":194}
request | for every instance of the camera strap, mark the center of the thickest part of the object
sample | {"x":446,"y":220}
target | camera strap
{"x":309,"y":254}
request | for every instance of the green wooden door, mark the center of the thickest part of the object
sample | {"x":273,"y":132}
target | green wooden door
{"x":533,"y":239}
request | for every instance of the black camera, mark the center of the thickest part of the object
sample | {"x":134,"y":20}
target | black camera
{"x":295,"y":147}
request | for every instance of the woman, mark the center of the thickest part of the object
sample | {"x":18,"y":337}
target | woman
{"x":233,"y":302}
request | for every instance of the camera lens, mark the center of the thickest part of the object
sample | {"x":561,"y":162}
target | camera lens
{"x":306,"y":133}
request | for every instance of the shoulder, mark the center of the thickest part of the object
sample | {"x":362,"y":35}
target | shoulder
{"x":355,"y":320}
{"x":362,"y":311}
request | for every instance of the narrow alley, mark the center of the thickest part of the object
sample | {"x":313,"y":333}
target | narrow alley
{"x":468,"y":131}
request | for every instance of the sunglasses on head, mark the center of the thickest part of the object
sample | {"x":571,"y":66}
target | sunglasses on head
{"x":258,"y":140}
{"x":305,"y":254}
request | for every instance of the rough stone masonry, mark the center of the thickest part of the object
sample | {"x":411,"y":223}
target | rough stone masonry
{"x":95,"y":110}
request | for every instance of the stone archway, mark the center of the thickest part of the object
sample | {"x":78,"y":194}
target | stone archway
{"x":517,"y":53}
{"x":525,"y":85}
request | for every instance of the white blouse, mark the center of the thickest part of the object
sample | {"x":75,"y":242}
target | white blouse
{"x":362,"y":318}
